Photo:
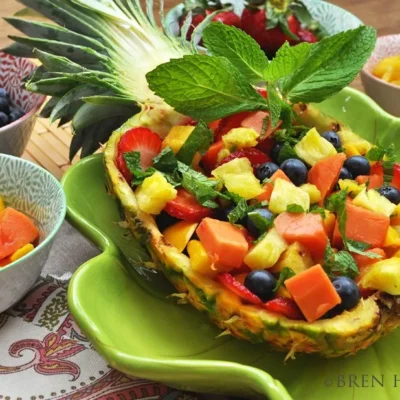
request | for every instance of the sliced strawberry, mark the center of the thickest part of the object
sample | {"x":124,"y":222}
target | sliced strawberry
{"x":294,"y":24}
{"x":229,"y":123}
{"x":284,"y":306}
{"x":254,"y":23}
{"x":214,"y":125}
{"x":236,"y":287}
{"x":228,"y":18}
{"x":143,"y":140}
{"x":263,"y":92}
{"x":307,"y":36}
{"x":255,"y":156}
{"x":396,"y":176}
{"x":185,"y":206}
{"x":256,"y":121}
{"x":266,"y":145}
{"x":209,"y":159}
{"x":121,"y":165}
{"x":377,"y":169}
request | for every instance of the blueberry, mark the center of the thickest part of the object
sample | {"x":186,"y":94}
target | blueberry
{"x":266,"y":170}
{"x":333,"y":138}
{"x":345,"y":174}
{"x":3,"y":92}
{"x":275,"y":152}
{"x":251,"y":227}
{"x":357,"y":165}
{"x":3,"y":119}
{"x":16,"y":114}
{"x":261,"y":283}
{"x":295,"y":170}
{"x":391,"y":193}
{"x":4,"y":106}
{"x":348,"y":291}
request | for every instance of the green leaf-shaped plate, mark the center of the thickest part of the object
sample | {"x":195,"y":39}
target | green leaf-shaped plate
{"x":124,"y":310}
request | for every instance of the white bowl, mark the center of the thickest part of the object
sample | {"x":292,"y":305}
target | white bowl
{"x":35,"y":192}
{"x":384,"y":93}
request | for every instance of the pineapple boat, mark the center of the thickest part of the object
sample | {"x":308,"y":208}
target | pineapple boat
{"x":278,"y":221}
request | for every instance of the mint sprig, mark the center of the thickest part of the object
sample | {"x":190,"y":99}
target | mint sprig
{"x":340,"y":263}
{"x":285,"y":274}
{"x":132,"y":161}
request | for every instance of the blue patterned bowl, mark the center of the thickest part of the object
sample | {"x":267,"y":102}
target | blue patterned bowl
{"x":333,"y":18}
{"x":35,"y":192}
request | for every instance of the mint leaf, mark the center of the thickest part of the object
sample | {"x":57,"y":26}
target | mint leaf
{"x":315,"y":209}
{"x":207,"y":88}
{"x":287,"y":60}
{"x":238,"y":47}
{"x":331,"y":65}
{"x":337,"y":203}
{"x":262,"y":224}
{"x":295,"y":208}
{"x":165,"y":161}
{"x":199,"y":140}
{"x":387,"y":156}
{"x":287,"y":151}
{"x":239,"y":212}
{"x":359,"y":248}
{"x":132,"y":160}
{"x":261,"y":237}
{"x":286,"y":273}
{"x":201,"y":187}
{"x":341,"y":263}
{"x":274,"y":105}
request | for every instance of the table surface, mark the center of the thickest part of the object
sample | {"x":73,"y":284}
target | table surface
{"x":49,"y":144}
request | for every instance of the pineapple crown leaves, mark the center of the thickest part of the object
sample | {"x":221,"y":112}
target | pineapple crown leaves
{"x":94,"y":56}
{"x":210,"y":88}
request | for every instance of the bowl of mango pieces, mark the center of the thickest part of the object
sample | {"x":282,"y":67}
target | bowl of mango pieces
{"x":381,"y":74}
{"x":32,"y":209}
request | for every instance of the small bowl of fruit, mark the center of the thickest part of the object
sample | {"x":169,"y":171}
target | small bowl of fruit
{"x":381,"y":74}
{"x":18,"y":107}
{"x":32,"y":209}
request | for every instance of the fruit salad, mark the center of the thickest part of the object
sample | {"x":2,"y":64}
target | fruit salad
{"x":270,"y":23}
{"x":388,"y":70}
{"x":18,"y":235}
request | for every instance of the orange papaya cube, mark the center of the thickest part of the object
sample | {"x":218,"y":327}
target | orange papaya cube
{"x":364,"y":226}
{"x":313,"y":292}
{"x":375,"y":180}
{"x":225,"y":244}
{"x":308,"y":229}
{"x":325,"y":173}
{"x":16,"y":230}
{"x":269,"y":187}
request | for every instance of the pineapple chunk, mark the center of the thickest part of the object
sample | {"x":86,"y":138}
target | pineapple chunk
{"x":373,"y":201}
{"x":313,"y":148}
{"x":351,"y":186}
{"x":266,"y":252}
{"x":199,"y":260}
{"x":296,"y":257}
{"x":222,"y":154}
{"x":313,"y":192}
{"x":284,"y":194}
{"x":240,"y":137}
{"x":351,"y":151}
{"x":237,"y":176}
{"x":176,"y":137}
{"x":392,"y":238}
{"x":383,"y":275}
{"x":154,"y":193}
{"x":349,"y":138}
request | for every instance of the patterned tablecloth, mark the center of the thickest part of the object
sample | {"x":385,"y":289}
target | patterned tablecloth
{"x":43,"y":353}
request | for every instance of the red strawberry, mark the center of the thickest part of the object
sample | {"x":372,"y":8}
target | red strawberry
{"x":255,"y":156}
{"x":228,"y":18}
{"x":236,"y":287}
{"x":396,"y":176}
{"x":266,"y":145}
{"x":185,"y":206}
{"x":143,"y":140}
{"x":307,"y":36}
{"x":284,"y":306}
{"x":196,"y":20}
{"x":294,"y":24}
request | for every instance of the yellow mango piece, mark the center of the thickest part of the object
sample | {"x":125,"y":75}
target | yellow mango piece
{"x":2,"y":205}
{"x":240,"y":138}
{"x":313,"y":192}
{"x":176,"y":137}
{"x":283,"y":292}
{"x":351,"y":151}
{"x":351,"y":140}
{"x":388,"y":68}
{"x":23,"y":251}
{"x":392,"y":238}
{"x":199,"y":260}
{"x":180,"y":233}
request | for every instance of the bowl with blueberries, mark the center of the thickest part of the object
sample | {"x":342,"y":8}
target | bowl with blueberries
{"x":18,"y":107}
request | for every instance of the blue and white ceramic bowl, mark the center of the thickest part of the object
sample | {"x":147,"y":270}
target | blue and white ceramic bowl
{"x":333,"y":18}
{"x":35,"y":192}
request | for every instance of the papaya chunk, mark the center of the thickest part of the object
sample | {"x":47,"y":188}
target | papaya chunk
{"x":225,"y":244}
{"x":313,"y":292}
{"x":269,"y":187}
{"x":16,"y":231}
{"x":307,"y":229}
{"x":325,"y":173}
{"x":364,"y":226}
{"x":375,"y":180}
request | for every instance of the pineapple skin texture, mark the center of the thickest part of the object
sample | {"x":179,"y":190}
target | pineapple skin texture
{"x":341,"y":336}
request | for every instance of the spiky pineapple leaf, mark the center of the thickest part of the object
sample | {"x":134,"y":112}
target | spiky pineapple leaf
{"x":104,"y":100}
{"x":19,"y":50}
{"x":52,"y":86}
{"x":47,"y":109}
{"x":57,"y":63}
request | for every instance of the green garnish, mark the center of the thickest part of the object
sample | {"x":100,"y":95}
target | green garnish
{"x":295,"y":208}
{"x":285,"y":274}
{"x":132,"y":160}
{"x":341,"y":263}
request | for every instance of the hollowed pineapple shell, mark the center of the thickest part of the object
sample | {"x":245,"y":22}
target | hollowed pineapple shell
{"x":342,"y":335}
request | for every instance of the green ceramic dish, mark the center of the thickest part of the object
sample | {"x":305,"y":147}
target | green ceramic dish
{"x":125,"y":312}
